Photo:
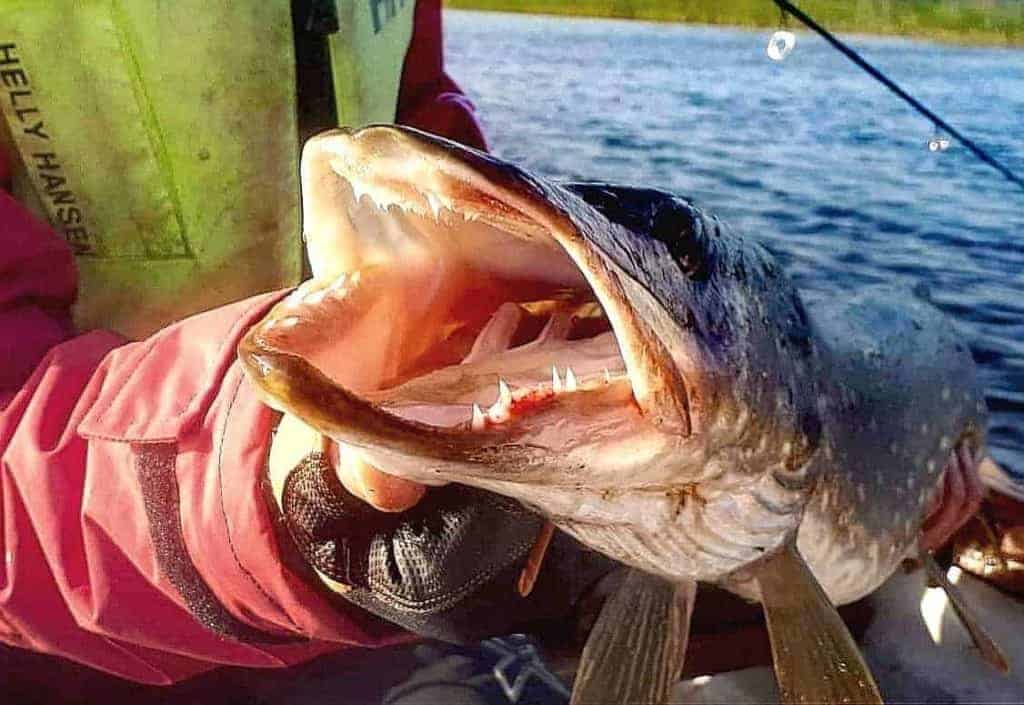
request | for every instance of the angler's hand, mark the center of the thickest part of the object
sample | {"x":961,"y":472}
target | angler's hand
{"x":441,"y":562}
{"x":958,"y":501}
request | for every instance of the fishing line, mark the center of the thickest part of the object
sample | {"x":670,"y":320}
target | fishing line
{"x":787,"y":7}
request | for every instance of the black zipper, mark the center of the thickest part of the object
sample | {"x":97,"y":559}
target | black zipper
{"x":313,"y":21}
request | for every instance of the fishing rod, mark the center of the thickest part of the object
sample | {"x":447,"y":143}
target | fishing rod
{"x":787,"y":7}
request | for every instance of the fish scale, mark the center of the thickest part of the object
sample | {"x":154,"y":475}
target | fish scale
{"x":873,"y":344}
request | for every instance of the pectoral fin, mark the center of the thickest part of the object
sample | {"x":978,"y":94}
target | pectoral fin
{"x":988,"y":648}
{"x":636,"y":650}
{"x":528,"y":577}
{"x":816,"y":659}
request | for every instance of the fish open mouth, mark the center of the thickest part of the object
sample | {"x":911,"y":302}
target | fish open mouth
{"x":458,"y":311}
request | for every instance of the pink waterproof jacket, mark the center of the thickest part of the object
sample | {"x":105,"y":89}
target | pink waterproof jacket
{"x":134,"y":534}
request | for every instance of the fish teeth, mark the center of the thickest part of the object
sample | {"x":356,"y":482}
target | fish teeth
{"x":556,"y":381}
{"x":317,"y":297}
{"x":360,"y":193}
{"x":500,"y":410}
{"x":504,"y":393}
{"x":435,"y":204}
{"x":300,"y":293}
{"x":570,"y":380}
{"x":339,"y":282}
{"x":607,"y":376}
{"x":357,"y":190}
{"x":479,"y":421}
{"x":340,"y":286}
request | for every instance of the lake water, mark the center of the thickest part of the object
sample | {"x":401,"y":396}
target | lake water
{"x":812,"y":156}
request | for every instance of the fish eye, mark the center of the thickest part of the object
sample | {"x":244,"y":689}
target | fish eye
{"x":680,"y":228}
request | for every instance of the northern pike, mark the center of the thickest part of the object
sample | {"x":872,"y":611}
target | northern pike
{"x":682,"y":409}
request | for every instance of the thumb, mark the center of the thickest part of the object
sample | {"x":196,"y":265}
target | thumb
{"x":381,"y":491}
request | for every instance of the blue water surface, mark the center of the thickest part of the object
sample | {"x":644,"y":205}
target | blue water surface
{"x":811,"y":155}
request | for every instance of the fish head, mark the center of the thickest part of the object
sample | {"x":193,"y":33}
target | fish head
{"x":730,"y":320}
{"x":687,"y":398}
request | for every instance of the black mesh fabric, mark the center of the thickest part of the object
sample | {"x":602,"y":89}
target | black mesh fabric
{"x":446,"y":568}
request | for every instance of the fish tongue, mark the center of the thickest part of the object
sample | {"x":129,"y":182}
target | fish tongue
{"x":816,"y":659}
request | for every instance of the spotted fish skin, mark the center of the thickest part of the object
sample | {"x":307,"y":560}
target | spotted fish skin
{"x":902,"y":392}
{"x":857,"y":400}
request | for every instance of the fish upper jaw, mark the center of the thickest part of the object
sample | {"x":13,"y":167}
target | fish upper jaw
{"x":537,"y":232}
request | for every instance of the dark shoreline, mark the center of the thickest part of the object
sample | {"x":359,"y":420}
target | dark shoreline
{"x":765,"y":16}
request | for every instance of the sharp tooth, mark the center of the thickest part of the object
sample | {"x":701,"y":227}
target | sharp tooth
{"x":357,"y":190}
{"x":338,"y":285}
{"x":499,"y":411}
{"x":556,"y":381}
{"x":479,"y":421}
{"x":304,"y":290}
{"x":607,"y":376}
{"x":435,"y":204}
{"x":361,"y":194}
{"x":570,"y":380}
{"x":504,"y":393}
{"x":317,"y":297}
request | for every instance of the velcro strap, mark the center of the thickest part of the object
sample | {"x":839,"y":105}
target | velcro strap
{"x":154,"y":464}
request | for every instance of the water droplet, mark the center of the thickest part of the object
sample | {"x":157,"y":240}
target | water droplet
{"x":780,"y":45}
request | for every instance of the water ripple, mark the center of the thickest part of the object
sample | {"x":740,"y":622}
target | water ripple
{"x":811,"y":156}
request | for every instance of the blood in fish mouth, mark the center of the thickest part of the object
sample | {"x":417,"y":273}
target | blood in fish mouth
{"x":522,"y":401}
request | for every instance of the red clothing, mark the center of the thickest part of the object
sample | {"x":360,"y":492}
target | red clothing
{"x":428,"y":98}
{"x":133,"y":527}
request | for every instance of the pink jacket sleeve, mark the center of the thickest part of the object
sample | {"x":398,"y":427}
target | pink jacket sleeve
{"x":133,"y":527}
{"x":134,"y":534}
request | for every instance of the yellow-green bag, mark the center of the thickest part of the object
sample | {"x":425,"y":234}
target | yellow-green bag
{"x":160,"y":138}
